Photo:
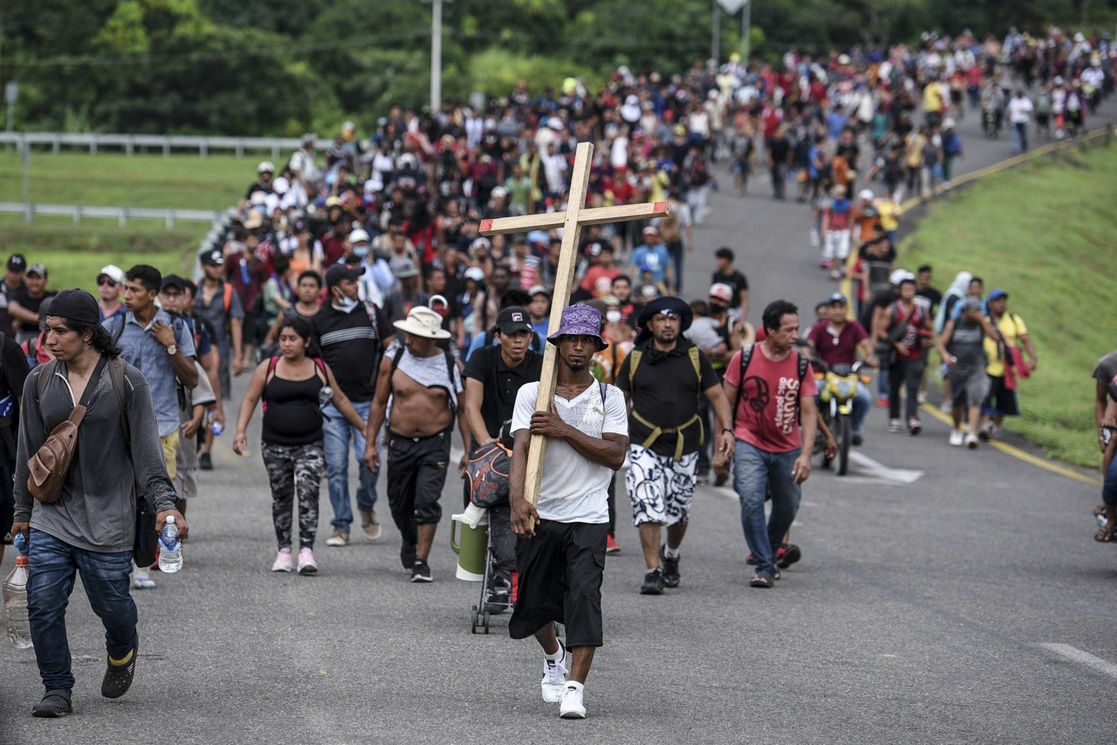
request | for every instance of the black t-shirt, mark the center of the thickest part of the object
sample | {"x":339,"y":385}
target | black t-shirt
{"x":665,"y":391}
{"x":778,"y":148}
{"x":881,"y":299}
{"x":734,"y":279}
{"x":500,"y":383}
{"x":15,"y":372}
{"x":351,"y":348}
{"x":933,"y":296}
{"x":31,"y":303}
{"x":1106,"y":373}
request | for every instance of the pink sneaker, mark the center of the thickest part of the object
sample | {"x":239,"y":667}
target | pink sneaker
{"x":306,"y":562}
{"x":283,"y":561}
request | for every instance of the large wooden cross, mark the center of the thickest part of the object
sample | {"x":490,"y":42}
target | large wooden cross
{"x":571,"y":222}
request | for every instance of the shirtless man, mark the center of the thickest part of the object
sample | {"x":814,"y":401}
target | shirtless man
{"x":423,"y":383}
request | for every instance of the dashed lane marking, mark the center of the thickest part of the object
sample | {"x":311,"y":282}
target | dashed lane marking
{"x":1074,"y":654}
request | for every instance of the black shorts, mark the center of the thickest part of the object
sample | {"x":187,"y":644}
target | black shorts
{"x":416,"y":475}
{"x":1000,"y":401}
{"x":561,"y":569}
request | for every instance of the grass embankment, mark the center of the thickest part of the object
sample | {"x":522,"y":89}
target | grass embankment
{"x":74,"y":253}
{"x":1044,"y":232}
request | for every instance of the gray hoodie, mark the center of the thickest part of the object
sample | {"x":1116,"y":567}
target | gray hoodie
{"x":97,"y":509}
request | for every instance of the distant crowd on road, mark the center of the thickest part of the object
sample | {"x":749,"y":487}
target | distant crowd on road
{"x":374,"y":320}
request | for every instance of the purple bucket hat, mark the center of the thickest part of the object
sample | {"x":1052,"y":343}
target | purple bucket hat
{"x":580,"y":320}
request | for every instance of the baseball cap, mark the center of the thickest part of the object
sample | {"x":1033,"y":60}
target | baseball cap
{"x":865,"y":194}
{"x":338,"y":272}
{"x":538,"y":290}
{"x":836,"y":297}
{"x":721,"y":291}
{"x":212,"y":258}
{"x":358,"y":236}
{"x":113,"y":272}
{"x":404,"y":268}
{"x":476,"y":273}
{"x":173,"y":280}
{"x":513,"y":319}
{"x":997,"y":293}
{"x":17,"y":263}
{"x":651,"y":230}
{"x":897,"y":276}
{"x":37,"y":269}
{"x":266,"y":166}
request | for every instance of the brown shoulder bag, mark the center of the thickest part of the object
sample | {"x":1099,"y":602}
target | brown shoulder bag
{"x":49,"y":465}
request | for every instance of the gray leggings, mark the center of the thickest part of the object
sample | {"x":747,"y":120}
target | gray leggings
{"x":295,"y":470}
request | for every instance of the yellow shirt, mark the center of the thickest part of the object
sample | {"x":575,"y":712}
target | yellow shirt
{"x":932,"y":97}
{"x":889,"y":213}
{"x":1012,"y":326}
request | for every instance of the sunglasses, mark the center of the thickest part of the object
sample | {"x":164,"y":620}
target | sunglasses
{"x":105,"y":279}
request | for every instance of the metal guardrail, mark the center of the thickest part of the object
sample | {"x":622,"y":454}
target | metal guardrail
{"x":129,"y":143}
{"x":121,"y":214}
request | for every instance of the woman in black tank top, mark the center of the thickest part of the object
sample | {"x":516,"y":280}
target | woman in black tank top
{"x":294,"y":386}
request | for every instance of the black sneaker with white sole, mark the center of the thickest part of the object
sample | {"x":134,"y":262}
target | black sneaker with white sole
{"x":420,"y":572}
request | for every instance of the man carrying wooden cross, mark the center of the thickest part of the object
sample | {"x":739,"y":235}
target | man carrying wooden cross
{"x":560,"y":553}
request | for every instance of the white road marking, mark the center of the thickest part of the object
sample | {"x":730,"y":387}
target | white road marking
{"x":1074,"y":654}
{"x":866,"y":466}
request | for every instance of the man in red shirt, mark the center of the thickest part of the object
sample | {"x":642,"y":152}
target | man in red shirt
{"x":774,"y":415}
{"x":836,"y":341}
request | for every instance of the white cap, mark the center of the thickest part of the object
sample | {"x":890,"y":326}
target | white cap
{"x":113,"y":272}
{"x":498,"y":191}
{"x":265,"y":166}
{"x":948,"y":123}
{"x":358,"y":236}
{"x":476,"y":273}
{"x":866,"y":194}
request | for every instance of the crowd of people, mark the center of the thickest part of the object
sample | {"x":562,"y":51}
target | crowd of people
{"x":374,"y":319}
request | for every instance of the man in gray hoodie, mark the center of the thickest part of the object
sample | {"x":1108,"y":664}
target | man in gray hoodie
{"x":91,"y":528}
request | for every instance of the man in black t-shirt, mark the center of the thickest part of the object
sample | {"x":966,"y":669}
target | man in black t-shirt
{"x":13,"y":283}
{"x":24,"y":304}
{"x":351,"y":347}
{"x":493,"y":376}
{"x":13,"y":371}
{"x":662,"y":380}
{"x":727,"y":274}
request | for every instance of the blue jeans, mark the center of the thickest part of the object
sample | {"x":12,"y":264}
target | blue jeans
{"x":336,"y":436}
{"x":756,"y":473}
{"x":1109,"y":485}
{"x":105,"y":577}
{"x":862,"y":402}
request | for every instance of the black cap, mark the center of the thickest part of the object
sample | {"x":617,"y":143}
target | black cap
{"x":17,"y":263}
{"x":75,"y":305}
{"x":173,"y":280}
{"x":513,"y":319}
{"x":338,"y":272}
{"x":212,"y":258}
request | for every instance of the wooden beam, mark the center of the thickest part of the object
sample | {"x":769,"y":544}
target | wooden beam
{"x":553,"y":220}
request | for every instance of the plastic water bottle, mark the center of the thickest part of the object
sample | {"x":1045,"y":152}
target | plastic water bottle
{"x":170,"y":548}
{"x":16,"y":622}
{"x":215,"y":426}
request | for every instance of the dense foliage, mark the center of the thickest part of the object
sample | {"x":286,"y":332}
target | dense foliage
{"x":258,"y":67}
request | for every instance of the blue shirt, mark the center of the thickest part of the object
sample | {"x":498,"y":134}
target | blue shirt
{"x":144,"y":352}
{"x":657,"y":258}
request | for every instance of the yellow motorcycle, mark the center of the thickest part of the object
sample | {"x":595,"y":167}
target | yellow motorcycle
{"x":837,"y":387}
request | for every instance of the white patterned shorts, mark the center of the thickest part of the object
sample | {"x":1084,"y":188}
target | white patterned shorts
{"x":660,"y":487}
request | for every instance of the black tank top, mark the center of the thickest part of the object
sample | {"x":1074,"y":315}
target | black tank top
{"x":291,"y":413}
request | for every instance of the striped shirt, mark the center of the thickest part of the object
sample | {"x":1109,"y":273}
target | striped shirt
{"x":351,"y":348}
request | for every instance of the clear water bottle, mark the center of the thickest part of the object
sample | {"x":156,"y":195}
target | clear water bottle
{"x":215,"y":426}
{"x":170,"y":548}
{"x":16,"y":623}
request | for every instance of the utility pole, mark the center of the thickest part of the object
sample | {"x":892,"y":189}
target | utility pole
{"x":715,"y":42}
{"x":436,"y":58}
{"x":746,"y":24}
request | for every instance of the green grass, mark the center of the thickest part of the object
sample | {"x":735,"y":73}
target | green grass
{"x":116,"y":180}
{"x":1044,"y":232}
{"x":73,"y":254}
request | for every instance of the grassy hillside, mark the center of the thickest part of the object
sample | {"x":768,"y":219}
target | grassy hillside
{"x":1045,"y":233}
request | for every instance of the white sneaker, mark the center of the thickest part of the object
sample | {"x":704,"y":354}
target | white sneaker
{"x":957,"y":436}
{"x":971,"y":441}
{"x":922,"y":397}
{"x":554,"y":678}
{"x":141,"y":579}
{"x":572,"y":706}
{"x":946,"y":407}
{"x":338,"y":539}
{"x":307,"y":564}
{"x":283,"y":561}
{"x":895,"y":425}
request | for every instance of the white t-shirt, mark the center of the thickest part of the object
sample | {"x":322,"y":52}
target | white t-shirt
{"x":1019,"y":110}
{"x":574,"y":489}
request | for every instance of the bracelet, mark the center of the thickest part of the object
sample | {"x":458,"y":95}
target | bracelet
{"x":726,"y":429}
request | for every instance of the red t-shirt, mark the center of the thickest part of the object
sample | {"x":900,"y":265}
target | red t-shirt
{"x":840,"y":349}
{"x":911,"y":338}
{"x":599,"y":280}
{"x":768,"y":416}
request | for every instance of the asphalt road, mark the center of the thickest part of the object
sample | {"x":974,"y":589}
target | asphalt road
{"x":931,"y":578}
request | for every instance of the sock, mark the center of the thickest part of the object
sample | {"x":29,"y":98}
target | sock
{"x":670,"y":553}
{"x":124,"y":660}
{"x":574,"y":684}
{"x":557,"y":656}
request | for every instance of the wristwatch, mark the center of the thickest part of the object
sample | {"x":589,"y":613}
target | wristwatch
{"x":172,"y":350}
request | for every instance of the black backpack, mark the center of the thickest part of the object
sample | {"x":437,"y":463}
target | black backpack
{"x":746,"y":358}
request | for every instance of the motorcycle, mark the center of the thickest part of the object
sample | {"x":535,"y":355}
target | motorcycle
{"x":837,"y":387}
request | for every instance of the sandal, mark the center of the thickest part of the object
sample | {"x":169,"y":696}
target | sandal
{"x":1106,"y":535}
{"x":1099,"y":510}
{"x":761,"y":580}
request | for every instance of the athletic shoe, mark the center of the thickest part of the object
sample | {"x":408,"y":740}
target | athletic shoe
{"x":554,"y":677}
{"x":141,"y":579}
{"x":284,"y":561}
{"x":882,"y":402}
{"x":118,"y":678}
{"x":971,"y":441}
{"x":670,"y":568}
{"x":205,"y":462}
{"x":751,"y":560}
{"x":370,"y":525}
{"x":835,"y":274}
{"x":825,"y":263}
{"x":946,"y":407}
{"x":922,"y":396}
{"x":788,"y":554}
{"x":420,"y":572}
{"x":611,"y":546}
{"x":895,"y":425}
{"x":338,"y":539}
{"x":703,"y":478}
{"x":857,"y":440}
{"x":653,"y":582}
{"x":307,"y":565}
{"x":572,"y":706}
{"x":54,"y":704}
{"x":914,"y":427}
{"x":957,"y":437}
{"x":408,"y":554}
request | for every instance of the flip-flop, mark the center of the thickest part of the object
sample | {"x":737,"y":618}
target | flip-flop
{"x":760,"y":580}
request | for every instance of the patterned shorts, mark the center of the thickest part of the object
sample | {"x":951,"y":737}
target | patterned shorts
{"x":660,"y":487}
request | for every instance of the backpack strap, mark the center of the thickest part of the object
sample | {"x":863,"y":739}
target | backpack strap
{"x":44,"y":377}
{"x":633,"y":362}
{"x":694,"y":352}
{"x":320,"y":367}
{"x":273,"y":362}
{"x":746,"y":358}
{"x":116,"y":377}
